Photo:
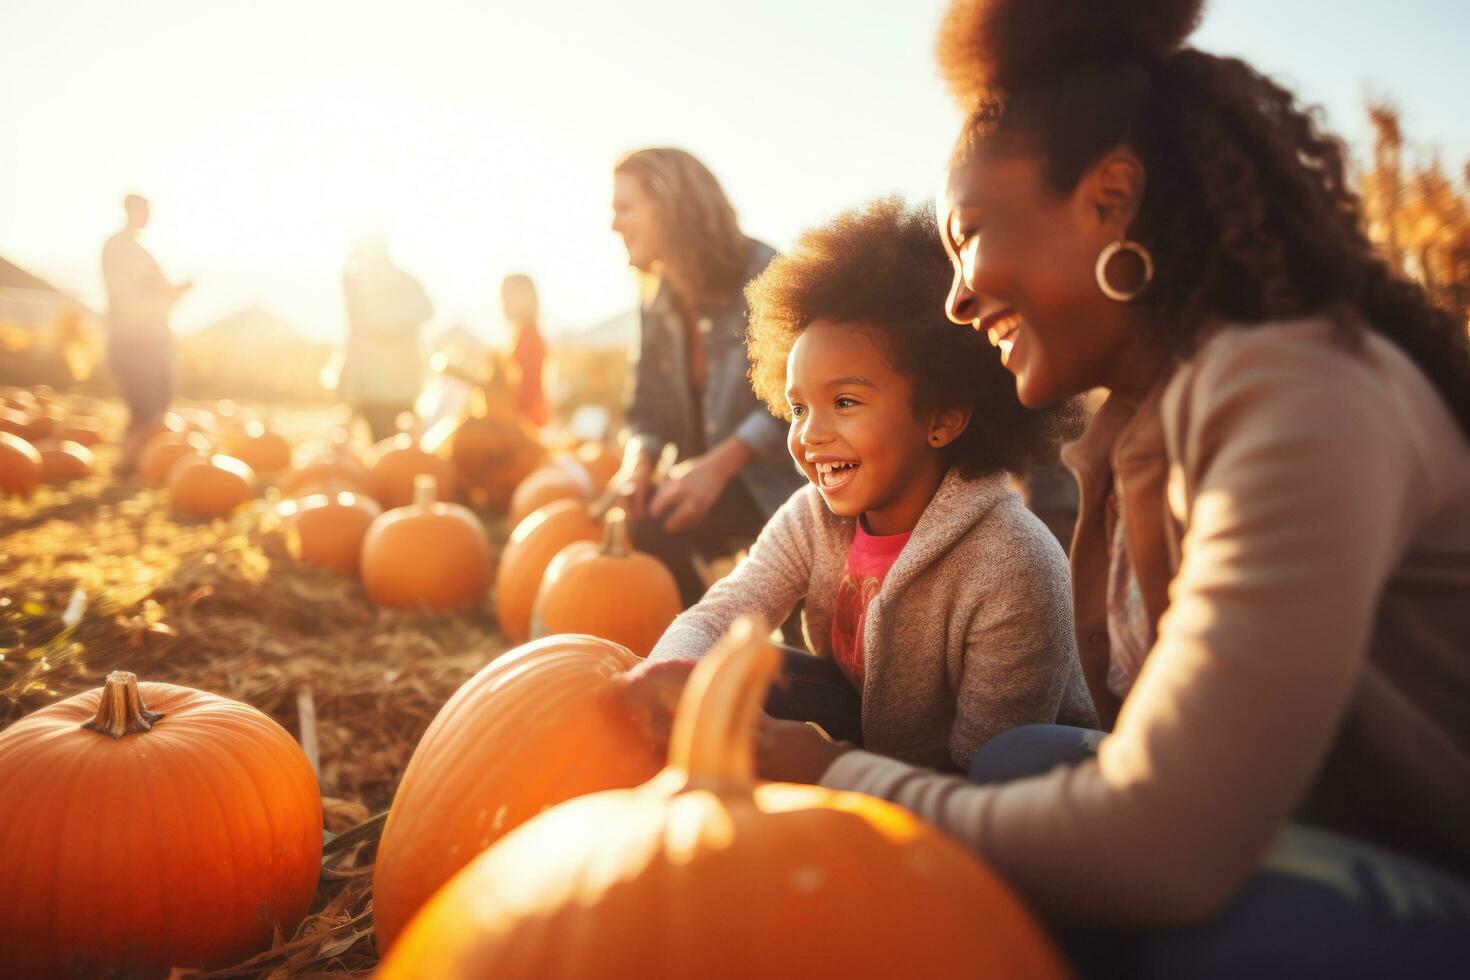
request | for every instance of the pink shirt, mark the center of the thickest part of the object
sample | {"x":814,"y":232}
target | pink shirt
{"x":868,"y":561}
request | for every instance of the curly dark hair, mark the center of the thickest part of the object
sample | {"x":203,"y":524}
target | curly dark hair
{"x":883,"y":268}
{"x":1247,"y":208}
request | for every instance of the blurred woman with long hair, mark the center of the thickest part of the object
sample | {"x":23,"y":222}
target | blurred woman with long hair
{"x":690,"y":386}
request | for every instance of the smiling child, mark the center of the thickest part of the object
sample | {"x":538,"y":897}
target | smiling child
{"x":942,"y":600}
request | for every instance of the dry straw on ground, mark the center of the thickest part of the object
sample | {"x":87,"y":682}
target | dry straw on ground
{"x":98,"y":576}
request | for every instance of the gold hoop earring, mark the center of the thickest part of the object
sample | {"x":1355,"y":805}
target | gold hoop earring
{"x":1100,"y":271}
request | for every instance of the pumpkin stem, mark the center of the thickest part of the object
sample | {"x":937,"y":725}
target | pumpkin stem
{"x":121,"y":711}
{"x":615,"y":533}
{"x":713,"y":741}
{"x":425,"y":490}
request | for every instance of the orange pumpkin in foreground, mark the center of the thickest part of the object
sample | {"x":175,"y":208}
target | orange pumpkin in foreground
{"x":326,"y":530}
{"x":534,"y":542}
{"x":62,"y":461}
{"x":210,"y":487}
{"x":607,"y":590}
{"x":539,"y":725}
{"x":144,"y":826}
{"x":20,"y":464}
{"x":427,"y":555}
{"x":396,"y":461}
{"x":703,"y":872}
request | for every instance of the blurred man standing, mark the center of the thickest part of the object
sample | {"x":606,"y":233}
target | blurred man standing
{"x":140,"y":346}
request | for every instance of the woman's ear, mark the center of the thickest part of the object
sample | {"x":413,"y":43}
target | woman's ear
{"x":1111,"y":192}
{"x":947,"y":425}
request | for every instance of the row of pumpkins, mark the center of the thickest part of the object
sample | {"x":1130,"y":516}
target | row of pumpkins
{"x":41,"y":442}
{"x":538,"y":832}
{"x":381,"y":518}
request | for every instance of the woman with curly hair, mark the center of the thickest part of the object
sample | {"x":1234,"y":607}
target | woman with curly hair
{"x":690,"y":385}
{"x":933,"y":597}
{"x":1271,"y":571}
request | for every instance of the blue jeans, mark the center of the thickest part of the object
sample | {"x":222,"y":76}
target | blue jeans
{"x":1320,"y":904}
{"x":815,"y":689}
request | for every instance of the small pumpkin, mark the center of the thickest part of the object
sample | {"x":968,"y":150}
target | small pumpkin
{"x":534,"y":542}
{"x":396,"y":461}
{"x":263,"y":450}
{"x":563,"y":479}
{"x":147,"y":826}
{"x":63,"y":460}
{"x":607,"y":590}
{"x":88,"y":432}
{"x":428,"y":554}
{"x":163,"y":451}
{"x":601,"y":462}
{"x":336,"y":470}
{"x":210,"y":486}
{"x":537,"y":726}
{"x":20,"y":464}
{"x":702,"y":871}
{"x":326,"y":530}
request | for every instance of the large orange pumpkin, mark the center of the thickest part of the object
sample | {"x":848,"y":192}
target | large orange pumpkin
{"x":210,"y":486}
{"x":266,"y":452}
{"x":607,"y":590}
{"x":144,"y":826}
{"x":64,"y":460}
{"x":326,"y":530}
{"x":20,"y":464}
{"x":163,"y":451}
{"x":563,"y":479}
{"x":537,"y":726}
{"x":396,"y":461}
{"x":703,"y":872}
{"x":426,"y":555}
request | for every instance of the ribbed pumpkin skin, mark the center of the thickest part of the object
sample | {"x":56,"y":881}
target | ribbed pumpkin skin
{"x":326,"y":530}
{"x":393,"y":464}
{"x":434,"y":557}
{"x":703,"y":872}
{"x":185,"y":845}
{"x":20,"y":464}
{"x":629,"y":599}
{"x":537,"y":726}
{"x":535,"y":541}
{"x":210,"y":487}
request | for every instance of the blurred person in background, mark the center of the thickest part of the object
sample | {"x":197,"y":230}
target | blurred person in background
{"x":527,"y":348}
{"x":691,"y":384}
{"x":140,"y":345}
{"x":382,"y":368}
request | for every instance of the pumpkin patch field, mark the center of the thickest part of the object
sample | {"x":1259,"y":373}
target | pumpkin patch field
{"x":103,"y":573}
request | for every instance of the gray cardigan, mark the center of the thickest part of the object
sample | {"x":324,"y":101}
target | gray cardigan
{"x":971,"y":633}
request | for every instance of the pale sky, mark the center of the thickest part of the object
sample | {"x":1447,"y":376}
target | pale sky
{"x":479,"y":136}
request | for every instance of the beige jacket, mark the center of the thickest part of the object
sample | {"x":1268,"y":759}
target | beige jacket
{"x":970,"y":634}
{"x":1298,"y":517}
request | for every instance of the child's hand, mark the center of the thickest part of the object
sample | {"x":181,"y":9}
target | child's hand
{"x":650,"y":693}
{"x":794,"y":751}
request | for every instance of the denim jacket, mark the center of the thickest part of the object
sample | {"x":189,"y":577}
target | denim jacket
{"x":661,"y":409}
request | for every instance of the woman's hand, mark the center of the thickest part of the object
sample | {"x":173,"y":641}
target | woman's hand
{"x":794,"y":751}
{"x":693,"y":486}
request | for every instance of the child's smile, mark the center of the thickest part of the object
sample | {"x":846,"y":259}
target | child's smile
{"x":854,"y":430}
